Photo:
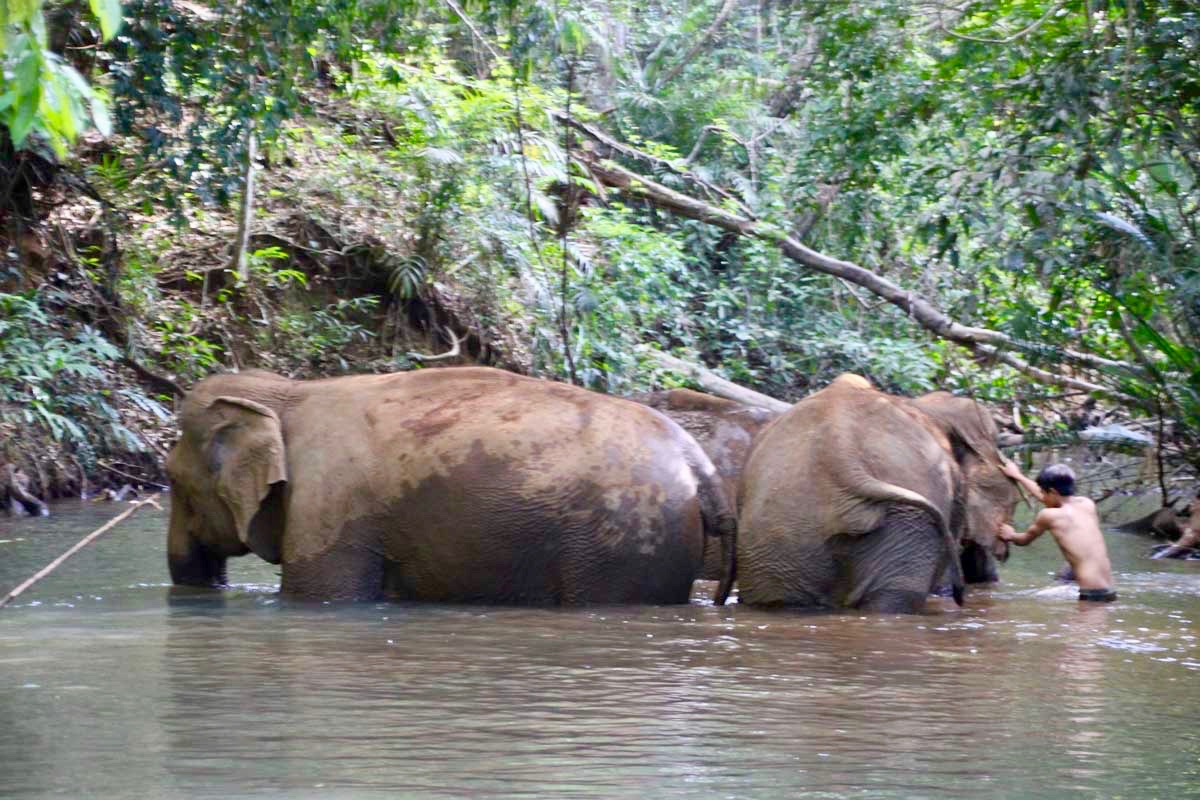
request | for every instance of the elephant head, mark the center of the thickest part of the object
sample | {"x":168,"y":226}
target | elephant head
{"x":228,"y":472}
{"x":989,"y":497}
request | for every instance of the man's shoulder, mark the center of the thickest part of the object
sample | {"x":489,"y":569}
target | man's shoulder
{"x":1083,"y":503}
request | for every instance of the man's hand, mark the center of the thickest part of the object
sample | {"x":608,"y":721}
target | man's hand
{"x":1007,"y":533}
{"x":1010,"y":469}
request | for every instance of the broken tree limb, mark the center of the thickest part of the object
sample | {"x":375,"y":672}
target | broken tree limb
{"x":453,"y":352}
{"x":1041,"y":375}
{"x":237,"y":262}
{"x":599,"y":136}
{"x":82,"y":543}
{"x":713,"y":383}
{"x":701,"y":43}
{"x":914,"y":305}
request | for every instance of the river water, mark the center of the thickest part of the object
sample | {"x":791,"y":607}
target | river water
{"x":114,"y":685}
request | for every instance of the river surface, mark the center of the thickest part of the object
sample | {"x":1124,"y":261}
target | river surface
{"x":113,"y":685}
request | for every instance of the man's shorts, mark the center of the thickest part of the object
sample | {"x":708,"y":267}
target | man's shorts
{"x":1097,"y":595}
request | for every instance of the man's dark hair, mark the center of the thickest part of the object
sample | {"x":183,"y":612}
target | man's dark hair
{"x":1058,"y":477}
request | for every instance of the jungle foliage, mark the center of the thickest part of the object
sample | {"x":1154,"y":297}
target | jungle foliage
{"x":1029,"y":167}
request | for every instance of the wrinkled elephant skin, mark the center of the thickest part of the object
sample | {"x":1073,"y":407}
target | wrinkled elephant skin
{"x":855,"y":498}
{"x":455,"y":485}
{"x":725,"y":429}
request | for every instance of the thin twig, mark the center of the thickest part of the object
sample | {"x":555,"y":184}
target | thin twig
{"x":82,"y":543}
{"x":474,"y":31}
{"x":563,"y":326}
{"x":1006,"y":40}
{"x":115,"y":471}
{"x":453,"y":352}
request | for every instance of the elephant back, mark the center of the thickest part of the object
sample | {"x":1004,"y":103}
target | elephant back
{"x":807,"y":465}
{"x":817,"y":473}
{"x":468,"y":457}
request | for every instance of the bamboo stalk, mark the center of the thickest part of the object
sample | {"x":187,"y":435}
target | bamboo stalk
{"x":82,"y":543}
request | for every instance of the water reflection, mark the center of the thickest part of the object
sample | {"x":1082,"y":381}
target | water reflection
{"x":150,"y":691}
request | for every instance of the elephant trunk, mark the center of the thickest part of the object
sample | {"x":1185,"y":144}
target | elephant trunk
{"x":199,"y":567}
{"x":192,"y":563}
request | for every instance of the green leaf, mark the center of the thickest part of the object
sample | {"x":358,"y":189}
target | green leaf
{"x":109,"y":14}
{"x":572,"y":38}
{"x":100,"y":117}
{"x":1161,"y":173}
{"x":17,"y":12}
{"x":25,"y":119}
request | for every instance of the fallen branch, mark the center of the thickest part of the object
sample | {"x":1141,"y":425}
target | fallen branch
{"x":238,"y":262}
{"x":82,"y":543}
{"x":713,"y":383}
{"x":453,"y":352}
{"x":701,"y":43}
{"x":989,"y":342}
{"x":600,"y":137}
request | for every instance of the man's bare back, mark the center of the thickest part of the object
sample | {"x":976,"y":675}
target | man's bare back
{"x":1074,"y":524}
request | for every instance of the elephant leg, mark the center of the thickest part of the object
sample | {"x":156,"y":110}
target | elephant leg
{"x":344,"y":572}
{"x":893,"y":568}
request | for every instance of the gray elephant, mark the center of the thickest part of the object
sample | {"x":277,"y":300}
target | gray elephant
{"x":456,"y":484}
{"x":16,"y":494}
{"x":990,"y":497}
{"x":725,"y":429}
{"x":855,"y":498}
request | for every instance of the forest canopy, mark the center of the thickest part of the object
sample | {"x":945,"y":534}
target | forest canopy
{"x":997,"y":198}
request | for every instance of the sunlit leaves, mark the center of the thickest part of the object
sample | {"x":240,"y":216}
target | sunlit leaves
{"x":108,"y":12}
{"x":40,"y":93}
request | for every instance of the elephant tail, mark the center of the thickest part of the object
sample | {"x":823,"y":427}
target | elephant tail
{"x":720,"y":521}
{"x":881,"y":490}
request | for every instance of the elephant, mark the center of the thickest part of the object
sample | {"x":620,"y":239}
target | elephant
{"x":725,"y":429}
{"x":856,"y":498}
{"x":458,"y":484}
{"x":16,"y":490}
{"x":990,"y":496}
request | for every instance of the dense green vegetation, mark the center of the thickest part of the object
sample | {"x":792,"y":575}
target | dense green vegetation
{"x":994,"y":197}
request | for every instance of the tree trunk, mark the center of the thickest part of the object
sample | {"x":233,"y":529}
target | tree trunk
{"x":713,"y":383}
{"x":238,"y":262}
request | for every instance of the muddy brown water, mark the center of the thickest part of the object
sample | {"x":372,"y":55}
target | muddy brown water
{"x":113,"y":685}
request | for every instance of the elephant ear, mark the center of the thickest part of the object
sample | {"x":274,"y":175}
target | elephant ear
{"x":246,"y":455}
{"x":967,"y":423}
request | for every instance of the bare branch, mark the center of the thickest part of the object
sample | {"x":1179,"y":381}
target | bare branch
{"x":1041,"y":375}
{"x":600,"y":137}
{"x":713,"y":383}
{"x":700,"y":44}
{"x":453,"y":352}
{"x":917,"y":307}
{"x":1007,"y":39}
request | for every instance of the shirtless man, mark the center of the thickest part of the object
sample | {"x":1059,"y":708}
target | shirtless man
{"x":1074,"y":524}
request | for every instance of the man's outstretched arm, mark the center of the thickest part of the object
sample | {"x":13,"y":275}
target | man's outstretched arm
{"x":1013,"y":471}
{"x":1040,"y":525}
